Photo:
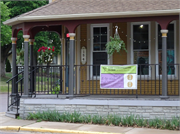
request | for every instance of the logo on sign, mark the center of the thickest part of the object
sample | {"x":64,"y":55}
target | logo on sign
{"x":130,"y":77}
{"x":129,"y":84}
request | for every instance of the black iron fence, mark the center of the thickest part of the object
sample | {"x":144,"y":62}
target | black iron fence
{"x":149,"y":80}
{"x":50,"y":79}
{"x":14,"y":92}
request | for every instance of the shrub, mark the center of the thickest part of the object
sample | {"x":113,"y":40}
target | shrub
{"x":116,"y":120}
{"x":8,"y":66}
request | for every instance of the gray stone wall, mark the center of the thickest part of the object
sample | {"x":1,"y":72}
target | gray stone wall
{"x":147,"y":112}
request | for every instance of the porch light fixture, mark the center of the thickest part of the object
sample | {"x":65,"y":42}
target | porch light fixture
{"x":67,"y":35}
{"x":83,"y":55}
{"x":141,"y":26}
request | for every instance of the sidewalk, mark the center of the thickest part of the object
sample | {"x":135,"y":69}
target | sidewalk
{"x":7,"y":123}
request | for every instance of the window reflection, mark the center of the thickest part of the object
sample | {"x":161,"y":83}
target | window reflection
{"x":142,"y":59}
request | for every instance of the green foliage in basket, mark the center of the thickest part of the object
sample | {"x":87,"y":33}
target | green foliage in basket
{"x":115,"y":44}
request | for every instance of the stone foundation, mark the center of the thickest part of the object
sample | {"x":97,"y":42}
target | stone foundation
{"x":145,"y":108}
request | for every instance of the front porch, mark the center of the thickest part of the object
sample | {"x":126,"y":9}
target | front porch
{"x":147,"y":42}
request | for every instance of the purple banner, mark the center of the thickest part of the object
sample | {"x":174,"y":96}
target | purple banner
{"x":112,"y":80}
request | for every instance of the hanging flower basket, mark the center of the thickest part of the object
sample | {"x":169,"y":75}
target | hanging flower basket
{"x":45,"y":54}
{"x":115,"y":44}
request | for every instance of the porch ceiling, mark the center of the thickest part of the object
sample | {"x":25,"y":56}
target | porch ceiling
{"x":93,"y":9}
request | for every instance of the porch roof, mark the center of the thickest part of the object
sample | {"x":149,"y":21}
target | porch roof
{"x":91,"y":9}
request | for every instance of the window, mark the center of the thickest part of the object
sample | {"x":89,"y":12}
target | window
{"x":99,"y":38}
{"x":140,"y":47}
{"x":170,"y":49}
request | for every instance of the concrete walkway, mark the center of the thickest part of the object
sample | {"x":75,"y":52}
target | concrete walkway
{"x":59,"y":127}
{"x":3,"y":102}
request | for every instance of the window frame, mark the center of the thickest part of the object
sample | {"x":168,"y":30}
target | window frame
{"x":157,"y":50}
{"x":92,"y":77}
{"x":149,"y":45}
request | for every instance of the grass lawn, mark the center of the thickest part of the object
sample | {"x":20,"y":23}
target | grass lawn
{"x":42,"y":87}
{"x":3,"y":84}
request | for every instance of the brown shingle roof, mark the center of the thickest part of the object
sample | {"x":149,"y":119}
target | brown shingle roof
{"x":90,"y":9}
{"x":62,"y":7}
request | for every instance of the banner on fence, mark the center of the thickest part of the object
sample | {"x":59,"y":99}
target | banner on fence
{"x":118,"y":77}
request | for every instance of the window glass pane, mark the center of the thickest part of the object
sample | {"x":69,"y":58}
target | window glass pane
{"x":103,"y":46}
{"x":98,"y":59}
{"x":159,"y":37}
{"x":99,"y":38}
{"x":140,"y":37}
{"x":99,"y":42}
{"x":96,"y":39}
{"x":97,"y":47}
{"x":104,"y":38}
{"x":170,"y":37}
{"x":103,"y":30}
{"x":170,"y":62}
{"x":96,"y":30}
{"x":142,"y":58}
{"x":96,"y":43}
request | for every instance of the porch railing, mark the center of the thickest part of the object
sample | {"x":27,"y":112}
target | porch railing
{"x":13,"y":97}
{"x":53,"y":80}
{"x":49,"y":80}
{"x":16,"y":89}
{"x":149,"y":80}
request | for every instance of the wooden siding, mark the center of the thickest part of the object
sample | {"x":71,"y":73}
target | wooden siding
{"x":120,"y":58}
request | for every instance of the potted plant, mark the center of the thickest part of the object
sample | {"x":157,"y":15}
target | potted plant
{"x":45,"y":55}
{"x":115,"y":44}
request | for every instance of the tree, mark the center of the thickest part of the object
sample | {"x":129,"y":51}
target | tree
{"x":41,"y":38}
{"x":8,"y":66}
{"x":10,"y":9}
{"x":20,"y":7}
{"x":5,"y":36}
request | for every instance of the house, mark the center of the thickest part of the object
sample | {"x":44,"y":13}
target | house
{"x":150,"y":30}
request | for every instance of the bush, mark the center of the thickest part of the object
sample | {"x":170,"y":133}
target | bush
{"x":116,"y":120}
{"x":8,"y":66}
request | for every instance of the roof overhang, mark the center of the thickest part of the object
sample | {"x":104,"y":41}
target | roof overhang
{"x":22,"y":19}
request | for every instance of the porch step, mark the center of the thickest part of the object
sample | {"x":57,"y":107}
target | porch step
{"x":12,"y":114}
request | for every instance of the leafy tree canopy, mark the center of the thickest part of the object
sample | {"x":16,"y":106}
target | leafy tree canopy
{"x":20,"y":7}
{"x":41,"y":38}
{"x":5,"y":30}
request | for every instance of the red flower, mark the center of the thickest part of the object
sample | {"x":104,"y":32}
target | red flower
{"x":43,"y":50}
{"x":46,"y":48}
{"x":39,"y":50}
{"x":53,"y":49}
{"x":49,"y":49}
